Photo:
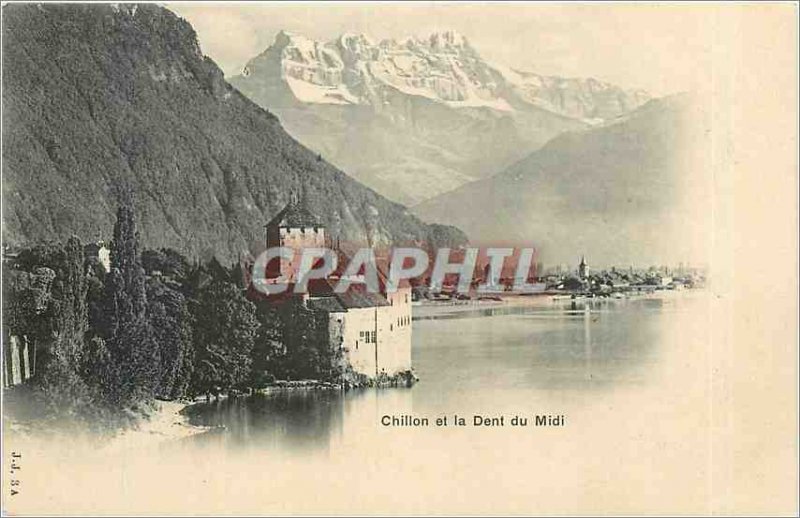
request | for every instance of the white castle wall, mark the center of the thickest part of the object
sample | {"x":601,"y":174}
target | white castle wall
{"x":392,"y":327}
{"x":394,"y":341}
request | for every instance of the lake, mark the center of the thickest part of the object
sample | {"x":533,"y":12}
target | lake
{"x":631,"y":378}
{"x":471,"y":360}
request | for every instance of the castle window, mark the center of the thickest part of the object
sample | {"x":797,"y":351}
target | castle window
{"x":391,"y":327}
{"x":374,"y":338}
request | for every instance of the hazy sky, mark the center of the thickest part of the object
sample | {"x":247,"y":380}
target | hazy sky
{"x":663,"y":49}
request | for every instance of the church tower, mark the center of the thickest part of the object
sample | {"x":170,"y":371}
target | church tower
{"x":583,"y":268}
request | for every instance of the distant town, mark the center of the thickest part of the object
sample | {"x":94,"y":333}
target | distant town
{"x":579,"y":281}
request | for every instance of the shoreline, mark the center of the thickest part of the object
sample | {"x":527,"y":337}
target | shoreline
{"x":166,"y":423}
{"x":427,"y":308}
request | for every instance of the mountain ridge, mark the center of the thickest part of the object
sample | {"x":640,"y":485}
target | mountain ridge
{"x":443,"y":66}
{"x":631,"y":191}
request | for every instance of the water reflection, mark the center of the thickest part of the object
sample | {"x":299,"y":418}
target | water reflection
{"x":289,"y":419}
{"x":292,"y":421}
{"x":587,"y":343}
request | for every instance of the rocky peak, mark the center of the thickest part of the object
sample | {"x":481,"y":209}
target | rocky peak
{"x":448,"y":41}
{"x":442,"y":67}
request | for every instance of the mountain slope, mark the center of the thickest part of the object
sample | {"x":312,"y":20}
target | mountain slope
{"x":96,"y":96}
{"x":630,"y":192}
{"x":421,"y":116}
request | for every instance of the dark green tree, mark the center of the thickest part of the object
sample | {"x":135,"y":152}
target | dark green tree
{"x":225,"y":331}
{"x":308,"y":353}
{"x":171,"y":324}
{"x":167,"y":261}
{"x":26,"y":299}
{"x":59,"y":383}
{"x":95,"y":298}
{"x":268,"y":348}
{"x":134,"y":363}
{"x":573,"y":284}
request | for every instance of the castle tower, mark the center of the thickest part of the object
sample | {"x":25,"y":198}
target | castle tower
{"x":294,"y":227}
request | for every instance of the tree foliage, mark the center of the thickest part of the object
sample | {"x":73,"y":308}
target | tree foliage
{"x":153,"y":326}
{"x":304,"y":333}
{"x":165,"y":261}
{"x":225,"y":331}
{"x":56,"y":318}
{"x":171,"y":324}
{"x":134,"y":366}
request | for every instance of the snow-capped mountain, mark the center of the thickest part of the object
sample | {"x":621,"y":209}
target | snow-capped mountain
{"x":393,"y":112}
{"x":444,"y":67}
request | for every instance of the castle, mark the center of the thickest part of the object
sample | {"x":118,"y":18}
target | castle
{"x":373,"y":330}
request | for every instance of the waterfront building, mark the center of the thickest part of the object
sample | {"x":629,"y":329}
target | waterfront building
{"x":373,"y":330}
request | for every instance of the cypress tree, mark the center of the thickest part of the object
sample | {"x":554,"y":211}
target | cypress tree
{"x":128,"y":289}
{"x":134,"y":358}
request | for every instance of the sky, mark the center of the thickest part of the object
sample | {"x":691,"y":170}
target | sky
{"x":661,"y":48}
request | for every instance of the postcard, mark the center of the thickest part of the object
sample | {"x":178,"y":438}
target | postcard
{"x":389,"y":258}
